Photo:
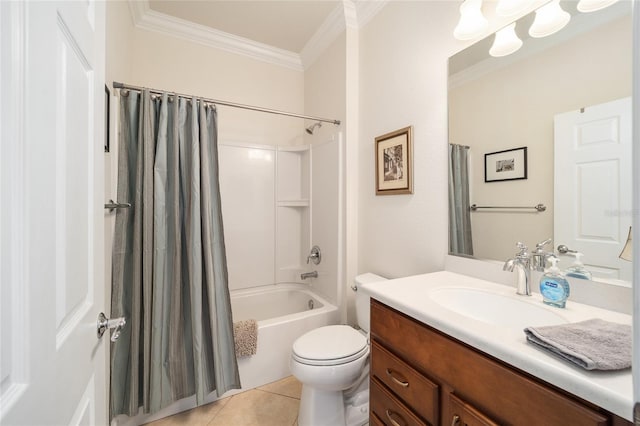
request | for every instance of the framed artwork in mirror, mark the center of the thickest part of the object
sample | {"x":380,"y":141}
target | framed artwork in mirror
{"x":394,"y":162}
{"x":510,"y":164}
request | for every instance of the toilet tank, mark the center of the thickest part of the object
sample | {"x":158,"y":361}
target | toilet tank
{"x":363,"y":299}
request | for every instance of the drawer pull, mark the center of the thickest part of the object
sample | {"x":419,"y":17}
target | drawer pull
{"x":456,"y":420}
{"x":404,"y":383}
{"x":391,"y":414}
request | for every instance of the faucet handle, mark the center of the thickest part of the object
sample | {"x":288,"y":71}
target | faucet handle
{"x":541,"y":244}
{"x":523,"y":249}
{"x":315,"y":255}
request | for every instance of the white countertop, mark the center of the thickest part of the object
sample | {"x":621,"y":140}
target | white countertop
{"x":411,"y":295}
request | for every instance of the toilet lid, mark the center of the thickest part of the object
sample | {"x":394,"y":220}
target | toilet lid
{"x":330,"y":345}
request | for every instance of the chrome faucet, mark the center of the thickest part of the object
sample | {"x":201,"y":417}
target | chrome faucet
{"x":522,"y":265}
{"x":306,"y":275}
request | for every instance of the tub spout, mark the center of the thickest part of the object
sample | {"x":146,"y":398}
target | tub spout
{"x":306,"y":275}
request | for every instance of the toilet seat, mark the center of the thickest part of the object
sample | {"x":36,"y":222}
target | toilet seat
{"x":330,"y":345}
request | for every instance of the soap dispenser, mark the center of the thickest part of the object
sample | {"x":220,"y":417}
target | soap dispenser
{"x":553,"y":286}
{"x":577,"y":270}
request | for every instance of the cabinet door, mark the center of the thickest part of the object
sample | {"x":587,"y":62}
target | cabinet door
{"x":463,"y":414}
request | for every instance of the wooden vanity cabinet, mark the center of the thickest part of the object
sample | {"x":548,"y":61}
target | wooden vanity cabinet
{"x":420,"y":376}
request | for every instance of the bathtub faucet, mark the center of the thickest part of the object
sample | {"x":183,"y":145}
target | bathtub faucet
{"x":306,"y":275}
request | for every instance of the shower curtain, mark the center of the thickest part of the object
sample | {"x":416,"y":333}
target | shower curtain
{"x":169,"y":263}
{"x":460,"y":241}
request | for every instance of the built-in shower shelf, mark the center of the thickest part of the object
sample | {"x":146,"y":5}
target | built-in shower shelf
{"x":293,"y":203}
{"x":294,"y":148}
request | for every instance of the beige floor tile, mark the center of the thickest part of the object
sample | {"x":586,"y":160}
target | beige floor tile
{"x":257,"y":408}
{"x":200,"y":416}
{"x":289,"y":386}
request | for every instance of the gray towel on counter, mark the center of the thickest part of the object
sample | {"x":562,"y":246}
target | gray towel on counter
{"x":593,"y":344}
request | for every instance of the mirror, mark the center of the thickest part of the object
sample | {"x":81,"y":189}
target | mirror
{"x":511,"y":102}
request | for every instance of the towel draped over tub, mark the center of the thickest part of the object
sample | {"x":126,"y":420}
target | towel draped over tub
{"x":245,"y":334}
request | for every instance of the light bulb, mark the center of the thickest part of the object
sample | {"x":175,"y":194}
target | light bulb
{"x":586,"y":6}
{"x":506,"y":41}
{"x":512,"y":7}
{"x":549,"y":19}
{"x":472,"y":23}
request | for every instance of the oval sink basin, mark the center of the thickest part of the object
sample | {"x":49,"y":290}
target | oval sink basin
{"x":494,"y":308}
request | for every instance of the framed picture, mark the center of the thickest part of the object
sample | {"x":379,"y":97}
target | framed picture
{"x":510,"y":164}
{"x":107,"y":97}
{"x":394,"y":162}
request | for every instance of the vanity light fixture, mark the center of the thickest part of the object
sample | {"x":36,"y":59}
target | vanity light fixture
{"x":587,"y":6}
{"x":472,"y":22}
{"x":549,"y":19}
{"x":506,"y":41}
{"x":512,"y":7}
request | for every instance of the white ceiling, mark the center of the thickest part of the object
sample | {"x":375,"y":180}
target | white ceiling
{"x":287,"y":25}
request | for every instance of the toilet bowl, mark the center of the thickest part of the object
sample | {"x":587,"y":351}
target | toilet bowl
{"x":332,"y":363}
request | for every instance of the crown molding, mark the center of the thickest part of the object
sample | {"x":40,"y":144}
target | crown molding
{"x":350,"y":14}
{"x":330,"y":29}
{"x":146,"y":18}
{"x":346,"y":14}
{"x":366,"y":10}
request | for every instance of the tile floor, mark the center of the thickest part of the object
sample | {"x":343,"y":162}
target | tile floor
{"x":274,"y":404}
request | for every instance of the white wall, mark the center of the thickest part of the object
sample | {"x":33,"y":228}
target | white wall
{"x":165,"y":62}
{"x":325,"y":86}
{"x":119,"y":28}
{"x":247,"y":189}
{"x":403,"y":81}
{"x":325,"y":90}
{"x":325,"y":229}
{"x":269,"y":229}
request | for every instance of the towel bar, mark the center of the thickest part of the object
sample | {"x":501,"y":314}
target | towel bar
{"x":539,"y":207}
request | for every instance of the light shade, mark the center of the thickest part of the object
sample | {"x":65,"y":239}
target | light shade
{"x":506,"y":41}
{"x":550,"y":18}
{"x":512,"y":7}
{"x":627,"y":250}
{"x":472,"y":23}
{"x":593,"y":5}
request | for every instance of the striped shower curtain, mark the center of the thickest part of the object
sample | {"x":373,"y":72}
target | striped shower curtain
{"x":460,"y":241}
{"x":169,"y":263}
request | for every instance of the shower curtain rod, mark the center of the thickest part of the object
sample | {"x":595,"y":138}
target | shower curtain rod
{"x":117,"y":85}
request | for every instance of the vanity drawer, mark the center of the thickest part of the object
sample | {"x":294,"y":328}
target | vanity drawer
{"x":388,"y":409}
{"x":463,"y":414}
{"x":374,"y":420}
{"x":410,"y":386}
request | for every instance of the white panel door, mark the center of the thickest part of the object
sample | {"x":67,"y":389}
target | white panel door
{"x":593,"y":202}
{"x":53,"y":365}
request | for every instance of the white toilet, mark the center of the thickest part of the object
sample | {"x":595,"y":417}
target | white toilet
{"x":332,"y":363}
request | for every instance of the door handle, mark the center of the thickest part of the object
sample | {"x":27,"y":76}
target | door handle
{"x":105,"y":323}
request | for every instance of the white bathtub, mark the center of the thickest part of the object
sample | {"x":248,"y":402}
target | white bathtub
{"x":283,"y":315}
